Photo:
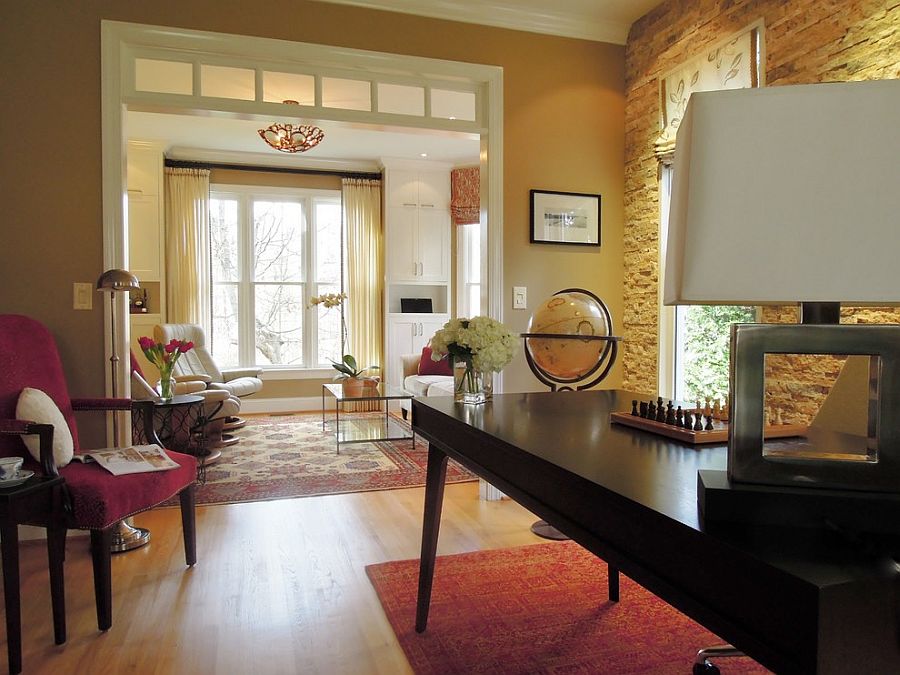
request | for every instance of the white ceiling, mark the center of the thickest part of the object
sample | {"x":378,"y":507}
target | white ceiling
{"x":358,"y":147}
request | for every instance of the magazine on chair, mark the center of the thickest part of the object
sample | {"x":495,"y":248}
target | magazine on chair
{"x":129,"y":459}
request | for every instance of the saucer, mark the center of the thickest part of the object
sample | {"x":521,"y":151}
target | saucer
{"x":18,"y":479}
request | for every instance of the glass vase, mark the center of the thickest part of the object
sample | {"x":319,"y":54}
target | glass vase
{"x":166,"y":388}
{"x":471,"y":385}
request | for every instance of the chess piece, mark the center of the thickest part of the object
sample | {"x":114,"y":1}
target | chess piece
{"x":725,"y":408}
{"x":698,"y":422}
{"x":634,"y":410}
{"x":660,"y":411}
{"x":679,"y":417}
{"x":651,"y":411}
{"x":644,"y":409}
{"x":717,"y":408}
{"x":688,"y":420}
{"x":709,"y":423}
{"x":670,"y":414}
{"x":778,"y":419}
{"x":707,"y":409}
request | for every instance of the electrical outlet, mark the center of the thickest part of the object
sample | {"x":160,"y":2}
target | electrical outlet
{"x":82,"y":295}
{"x":520,"y":295}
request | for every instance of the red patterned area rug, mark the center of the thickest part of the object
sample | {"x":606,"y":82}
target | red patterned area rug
{"x":284,"y":456}
{"x":538,"y":609}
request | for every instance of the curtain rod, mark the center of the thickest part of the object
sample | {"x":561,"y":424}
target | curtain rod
{"x":186,"y":164}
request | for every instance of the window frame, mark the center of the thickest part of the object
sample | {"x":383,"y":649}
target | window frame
{"x":246,"y":196}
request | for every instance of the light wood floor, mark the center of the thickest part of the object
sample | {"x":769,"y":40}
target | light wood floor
{"x":280,"y":587}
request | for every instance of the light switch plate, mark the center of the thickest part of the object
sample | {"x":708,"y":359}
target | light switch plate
{"x":520,"y":297}
{"x":82,"y":295}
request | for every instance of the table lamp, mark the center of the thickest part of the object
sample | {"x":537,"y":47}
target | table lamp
{"x":787,"y":195}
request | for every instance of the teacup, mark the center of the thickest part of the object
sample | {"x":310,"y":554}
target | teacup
{"x":9,"y":467}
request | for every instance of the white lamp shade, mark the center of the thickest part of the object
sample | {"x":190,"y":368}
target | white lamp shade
{"x":787,"y":194}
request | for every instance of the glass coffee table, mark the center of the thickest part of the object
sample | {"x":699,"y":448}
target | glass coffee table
{"x":364,"y":427}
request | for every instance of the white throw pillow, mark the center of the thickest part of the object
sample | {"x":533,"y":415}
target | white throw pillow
{"x":35,"y":406}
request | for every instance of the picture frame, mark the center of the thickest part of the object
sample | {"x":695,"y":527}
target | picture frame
{"x":571,"y":218}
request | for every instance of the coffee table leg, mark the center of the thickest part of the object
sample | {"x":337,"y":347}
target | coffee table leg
{"x":435,"y":475}
{"x":10,"y":547}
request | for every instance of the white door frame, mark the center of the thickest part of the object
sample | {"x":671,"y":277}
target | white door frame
{"x":119,"y":43}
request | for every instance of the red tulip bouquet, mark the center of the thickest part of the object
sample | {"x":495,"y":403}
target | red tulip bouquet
{"x":164,"y":357}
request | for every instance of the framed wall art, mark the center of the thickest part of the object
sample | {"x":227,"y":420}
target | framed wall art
{"x":565,"y":218}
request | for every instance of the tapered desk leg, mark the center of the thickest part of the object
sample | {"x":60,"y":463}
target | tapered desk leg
{"x":56,"y":554}
{"x":10,"y":545}
{"x":431,"y":525}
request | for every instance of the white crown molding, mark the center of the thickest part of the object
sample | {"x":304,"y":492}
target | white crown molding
{"x":265,"y":159}
{"x":549,"y":20}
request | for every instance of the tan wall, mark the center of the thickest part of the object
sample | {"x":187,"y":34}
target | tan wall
{"x":563,"y":113}
{"x":806,"y":41}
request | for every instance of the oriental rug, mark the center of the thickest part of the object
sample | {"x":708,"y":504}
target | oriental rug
{"x":285,"y":456}
{"x":538,"y":609}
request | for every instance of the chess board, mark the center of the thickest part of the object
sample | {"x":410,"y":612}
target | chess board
{"x":718,"y":434}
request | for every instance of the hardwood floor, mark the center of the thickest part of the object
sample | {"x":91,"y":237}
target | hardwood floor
{"x":280,"y":587}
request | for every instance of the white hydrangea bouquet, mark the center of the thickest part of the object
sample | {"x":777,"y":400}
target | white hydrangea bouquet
{"x":477,"y":347}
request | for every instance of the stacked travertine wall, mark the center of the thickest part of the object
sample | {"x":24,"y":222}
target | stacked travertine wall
{"x":806,"y":41}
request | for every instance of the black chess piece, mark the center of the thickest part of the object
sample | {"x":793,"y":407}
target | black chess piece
{"x":634,"y":410}
{"x":651,"y":410}
{"x":688,"y":420}
{"x":670,"y":414}
{"x":679,"y":417}
{"x":709,"y":423}
{"x":660,"y":411}
{"x":644,"y":409}
{"x":698,"y":422}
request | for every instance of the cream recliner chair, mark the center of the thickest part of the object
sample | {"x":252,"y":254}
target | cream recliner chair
{"x":198,"y":364}
{"x":218,"y":405}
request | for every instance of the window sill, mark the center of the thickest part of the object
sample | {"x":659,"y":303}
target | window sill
{"x":297,"y":373}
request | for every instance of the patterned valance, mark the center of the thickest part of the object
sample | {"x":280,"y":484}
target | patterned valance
{"x":731,"y":64}
{"x":465,"y":195}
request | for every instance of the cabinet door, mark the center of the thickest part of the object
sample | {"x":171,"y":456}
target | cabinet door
{"x":434,"y":189}
{"x":402,"y":261}
{"x":402,"y":334}
{"x":144,"y":169}
{"x":145,"y":255}
{"x":433,"y":244}
{"x":429,"y":326}
{"x":402,"y":188}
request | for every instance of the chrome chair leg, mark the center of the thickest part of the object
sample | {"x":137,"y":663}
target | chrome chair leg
{"x":702,"y":666}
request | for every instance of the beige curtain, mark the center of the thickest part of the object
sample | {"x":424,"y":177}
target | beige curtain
{"x":365,"y":269}
{"x":187,"y":249}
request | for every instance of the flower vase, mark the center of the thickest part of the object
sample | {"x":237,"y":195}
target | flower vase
{"x":166,"y":388}
{"x":471,"y":385}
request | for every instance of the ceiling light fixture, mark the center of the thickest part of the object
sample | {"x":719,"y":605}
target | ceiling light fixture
{"x":286,"y":137}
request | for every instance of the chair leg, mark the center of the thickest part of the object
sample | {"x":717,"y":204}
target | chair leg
{"x":188,"y":524}
{"x":101,"y":553}
{"x":56,"y":554}
{"x":613,"y":581}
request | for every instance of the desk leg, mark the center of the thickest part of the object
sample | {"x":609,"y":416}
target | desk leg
{"x":56,"y":554}
{"x":10,"y":548}
{"x":431,"y":525}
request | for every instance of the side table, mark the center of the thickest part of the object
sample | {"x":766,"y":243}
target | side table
{"x":38,"y":498}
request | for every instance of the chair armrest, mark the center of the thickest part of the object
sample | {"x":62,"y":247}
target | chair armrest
{"x":45,"y":435}
{"x":190,"y":387}
{"x":234,"y":373}
{"x":87,"y":404}
{"x":205,"y":379}
{"x":410,"y":365}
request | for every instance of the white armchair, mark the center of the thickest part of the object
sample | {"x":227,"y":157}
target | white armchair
{"x":198,"y":363}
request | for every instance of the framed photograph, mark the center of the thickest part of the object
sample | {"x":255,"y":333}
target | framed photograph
{"x":565,"y":218}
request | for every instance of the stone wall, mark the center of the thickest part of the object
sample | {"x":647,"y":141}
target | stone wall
{"x":806,"y":41}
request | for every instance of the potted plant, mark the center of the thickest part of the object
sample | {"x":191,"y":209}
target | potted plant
{"x":351,"y":376}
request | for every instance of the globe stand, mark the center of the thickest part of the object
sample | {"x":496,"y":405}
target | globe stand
{"x":583,"y":377}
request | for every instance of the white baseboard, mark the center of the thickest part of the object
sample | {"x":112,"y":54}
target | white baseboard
{"x":283,"y":405}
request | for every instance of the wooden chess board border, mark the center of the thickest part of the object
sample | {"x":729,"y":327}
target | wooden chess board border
{"x":718,"y":435}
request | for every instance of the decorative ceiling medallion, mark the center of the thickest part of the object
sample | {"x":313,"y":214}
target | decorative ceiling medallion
{"x":286,"y":137}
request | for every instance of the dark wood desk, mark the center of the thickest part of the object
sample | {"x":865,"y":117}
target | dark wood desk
{"x":798,"y":601}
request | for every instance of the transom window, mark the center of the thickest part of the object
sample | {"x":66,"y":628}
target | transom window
{"x":271,"y":251}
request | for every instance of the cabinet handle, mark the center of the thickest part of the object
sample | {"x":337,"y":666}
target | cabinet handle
{"x":421,"y":269}
{"x":430,"y":206}
{"x":421,"y":330}
{"x":415,"y":269}
{"x":407,"y":204}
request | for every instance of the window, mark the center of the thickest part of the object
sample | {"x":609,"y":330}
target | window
{"x":468,"y":283}
{"x":271,"y":250}
{"x":694,"y":341}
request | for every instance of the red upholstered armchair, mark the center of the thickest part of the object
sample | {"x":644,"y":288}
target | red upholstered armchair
{"x":93,"y":499}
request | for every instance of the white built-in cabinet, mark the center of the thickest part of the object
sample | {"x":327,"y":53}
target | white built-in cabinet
{"x":417,"y":255}
{"x":146,"y":238}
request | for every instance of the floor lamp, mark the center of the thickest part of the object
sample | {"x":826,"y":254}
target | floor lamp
{"x":126,"y":537}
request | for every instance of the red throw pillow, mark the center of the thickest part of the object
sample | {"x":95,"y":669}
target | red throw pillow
{"x":429,"y":367}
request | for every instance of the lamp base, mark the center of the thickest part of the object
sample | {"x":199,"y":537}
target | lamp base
{"x":127,"y":537}
{"x":721,"y":500}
